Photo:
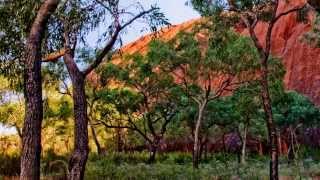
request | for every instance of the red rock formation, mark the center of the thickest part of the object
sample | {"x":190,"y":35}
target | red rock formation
{"x":302,"y":62}
{"x":300,"y":59}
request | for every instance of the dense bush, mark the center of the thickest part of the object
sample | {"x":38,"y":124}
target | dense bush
{"x":10,"y":165}
{"x":53,"y":164}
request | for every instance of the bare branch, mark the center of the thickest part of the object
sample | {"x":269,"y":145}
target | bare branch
{"x":113,"y":40}
{"x":253,"y":34}
{"x":288,"y":12}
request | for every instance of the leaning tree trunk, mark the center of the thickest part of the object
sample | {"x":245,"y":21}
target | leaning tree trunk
{"x":95,"y":139}
{"x":272,"y":133}
{"x":79,"y":156}
{"x":196,"y":144}
{"x":31,"y":140}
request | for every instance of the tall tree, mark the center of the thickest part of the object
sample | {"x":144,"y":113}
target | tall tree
{"x":31,"y":140}
{"x":23,"y":26}
{"x":293,"y":112}
{"x":75,"y":20}
{"x":247,"y":105}
{"x":152,"y":86}
{"x":250,"y":13}
{"x":209,"y":62}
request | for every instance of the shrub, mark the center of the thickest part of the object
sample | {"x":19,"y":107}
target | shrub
{"x":10,"y":165}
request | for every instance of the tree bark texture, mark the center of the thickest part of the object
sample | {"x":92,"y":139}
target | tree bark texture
{"x":272,"y":132}
{"x":31,"y":135}
{"x":79,"y":156}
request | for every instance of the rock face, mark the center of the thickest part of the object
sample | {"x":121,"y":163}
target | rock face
{"x":302,"y":61}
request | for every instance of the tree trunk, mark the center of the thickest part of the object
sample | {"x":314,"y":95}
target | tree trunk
{"x":260,"y":148}
{"x":196,"y":144}
{"x":244,"y":143}
{"x":291,"y":152}
{"x":79,"y":156}
{"x":119,"y":139}
{"x":206,"y":151}
{"x":95,"y":139}
{"x":279,"y":142}
{"x":20,"y":136}
{"x":272,"y":133}
{"x":153,"y":152}
{"x":223,"y":142}
{"x":203,"y":146}
{"x":31,"y":140}
{"x":154,"y":148}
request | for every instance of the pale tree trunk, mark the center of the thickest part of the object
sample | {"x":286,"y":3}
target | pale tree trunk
{"x":31,"y":135}
{"x":260,"y":148}
{"x":291,"y":153}
{"x":196,"y":135}
{"x":79,"y":156}
{"x":279,"y":142}
{"x":244,"y":144}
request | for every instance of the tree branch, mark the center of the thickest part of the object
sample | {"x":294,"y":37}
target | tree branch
{"x":288,"y":12}
{"x":113,"y":40}
{"x":52,"y":57}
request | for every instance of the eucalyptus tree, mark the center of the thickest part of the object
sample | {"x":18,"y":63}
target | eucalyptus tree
{"x":294,"y":111}
{"x":26,"y":32}
{"x":11,"y":115}
{"x":247,"y":105}
{"x":69,"y":34}
{"x":31,"y":141}
{"x":250,"y":13}
{"x":209,"y":62}
{"x":144,"y":96}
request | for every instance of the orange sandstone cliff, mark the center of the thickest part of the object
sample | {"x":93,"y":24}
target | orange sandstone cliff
{"x":302,"y":62}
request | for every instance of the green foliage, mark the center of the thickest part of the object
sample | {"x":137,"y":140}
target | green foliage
{"x":179,"y":166}
{"x":206,"y":8}
{"x":16,"y":19}
{"x":198,"y":61}
{"x":143,"y":96}
{"x":11,"y":114}
{"x":206,"y":63}
{"x":211,"y":7}
{"x":293,"y":109}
